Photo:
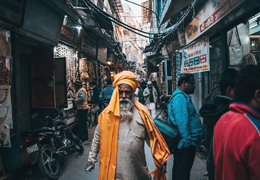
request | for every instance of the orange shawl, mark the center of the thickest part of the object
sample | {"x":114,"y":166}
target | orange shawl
{"x":109,"y":121}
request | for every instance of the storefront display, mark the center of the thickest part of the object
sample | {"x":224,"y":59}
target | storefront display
{"x":87,"y":70}
{"x":104,"y":75}
{"x":215,"y":64}
{"x":255,"y":48}
{"x":6,"y":119}
{"x":71,"y":67}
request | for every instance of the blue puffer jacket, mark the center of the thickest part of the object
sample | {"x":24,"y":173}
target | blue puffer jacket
{"x":182,"y":113}
{"x":106,"y":94}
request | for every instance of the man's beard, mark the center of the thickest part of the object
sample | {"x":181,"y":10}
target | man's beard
{"x":126,"y":109}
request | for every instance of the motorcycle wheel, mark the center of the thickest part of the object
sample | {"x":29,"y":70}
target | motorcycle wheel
{"x":49,"y":165}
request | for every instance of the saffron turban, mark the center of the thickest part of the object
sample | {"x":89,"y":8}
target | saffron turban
{"x":125,"y":77}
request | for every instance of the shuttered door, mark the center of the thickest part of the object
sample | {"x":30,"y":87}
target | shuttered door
{"x":24,"y":119}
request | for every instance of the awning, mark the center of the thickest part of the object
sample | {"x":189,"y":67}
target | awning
{"x":174,"y":7}
{"x":103,"y":21}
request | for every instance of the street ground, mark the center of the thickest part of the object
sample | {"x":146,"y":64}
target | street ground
{"x":73,"y":168}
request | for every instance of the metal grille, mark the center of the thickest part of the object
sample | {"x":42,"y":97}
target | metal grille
{"x":24,"y":119}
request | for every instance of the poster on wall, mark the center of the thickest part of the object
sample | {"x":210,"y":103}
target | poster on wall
{"x":195,"y":58}
{"x":211,"y":13}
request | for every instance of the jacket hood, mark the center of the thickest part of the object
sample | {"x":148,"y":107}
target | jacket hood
{"x":215,"y":106}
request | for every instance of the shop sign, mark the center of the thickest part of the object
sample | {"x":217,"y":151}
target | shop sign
{"x":212,"y":12}
{"x":195,"y":58}
{"x":69,"y":36}
{"x":181,"y":37}
{"x":88,"y":44}
{"x":102,"y":52}
{"x":12,"y":11}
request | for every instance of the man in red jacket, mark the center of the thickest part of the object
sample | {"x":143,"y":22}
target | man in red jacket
{"x":236,"y":142}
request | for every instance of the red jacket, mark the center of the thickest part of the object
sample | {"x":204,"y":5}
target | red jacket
{"x":236,"y":144}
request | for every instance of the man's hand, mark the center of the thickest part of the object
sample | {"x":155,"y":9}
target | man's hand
{"x":163,"y":169}
{"x":88,"y":164}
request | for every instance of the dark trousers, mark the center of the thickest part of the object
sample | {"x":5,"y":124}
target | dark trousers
{"x":183,"y":161}
{"x":82,"y":122}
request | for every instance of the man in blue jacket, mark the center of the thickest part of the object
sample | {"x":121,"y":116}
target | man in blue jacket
{"x":182,"y":113}
{"x":106,"y":94}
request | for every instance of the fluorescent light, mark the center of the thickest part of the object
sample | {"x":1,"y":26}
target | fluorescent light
{"x":253,"y":25}
{"x":254,"y":18}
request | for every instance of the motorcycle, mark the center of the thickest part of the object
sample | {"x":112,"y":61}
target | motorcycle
{"x":48,"y":146}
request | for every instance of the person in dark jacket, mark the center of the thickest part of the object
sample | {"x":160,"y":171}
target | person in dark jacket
{"x":95,"y":102}
{"x":106,"y":94}
{"x":141,"y":96}
{"x":212,"y":110}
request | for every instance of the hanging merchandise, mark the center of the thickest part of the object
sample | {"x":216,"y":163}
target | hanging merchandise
{"x":178,"y":66}
{"x":70,"y":54}
{"x":236,"y":51}
{"x":83,"y":69}
{"x":249,"y":59}
{"x":5,"y":57}
{"x":5,"y":136}
{"x":5,"y":105}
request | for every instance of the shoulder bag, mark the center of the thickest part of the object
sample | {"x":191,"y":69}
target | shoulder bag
{"x":236,"y":51}
{"x":169,"y":131}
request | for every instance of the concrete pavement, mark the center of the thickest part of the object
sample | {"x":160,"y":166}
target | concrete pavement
{"x":73,"y":168}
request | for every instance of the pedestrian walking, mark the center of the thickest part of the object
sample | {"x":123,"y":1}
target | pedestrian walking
{"x":106,"y":94}
{"x":120,"y":134}
{"x":182,"y":113}
{"x":136,"y":94}
{"x":95,"y":103}
{"x":154,"y":84}
{"x":212,"y":110}
{"x":82,"y":109}
{"x":143,"y":84}
{"x":141,"y":96}
{"x":236,"y":140}
{"x":150,"y":96}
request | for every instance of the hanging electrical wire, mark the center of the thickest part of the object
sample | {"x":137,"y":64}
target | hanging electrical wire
{"x":160,"y":35}
{"x":115,"y":20}
{"x":102,"y":13}
{"x":105,"y":20}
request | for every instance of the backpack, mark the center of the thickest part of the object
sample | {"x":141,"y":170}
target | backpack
{"x":169,"y":131}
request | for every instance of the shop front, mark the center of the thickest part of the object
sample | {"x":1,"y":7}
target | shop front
{"x":225,"y":25}
{"x":67,"y":52}
{"x":33,"y":73}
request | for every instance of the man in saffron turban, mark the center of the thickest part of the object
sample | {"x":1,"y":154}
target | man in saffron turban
{"x":122,"y":129}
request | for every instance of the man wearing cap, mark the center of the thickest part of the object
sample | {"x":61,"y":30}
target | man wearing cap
{"x":82,"y":109}
{"x":122,"y":129}
{"x":150,"y":95}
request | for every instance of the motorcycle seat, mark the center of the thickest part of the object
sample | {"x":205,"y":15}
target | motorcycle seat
{"x":43,"y":129}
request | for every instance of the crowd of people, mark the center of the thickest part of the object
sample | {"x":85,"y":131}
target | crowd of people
{"x":231,"y":127}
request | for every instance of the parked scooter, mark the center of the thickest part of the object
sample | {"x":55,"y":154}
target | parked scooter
{"x":48,"y":146}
